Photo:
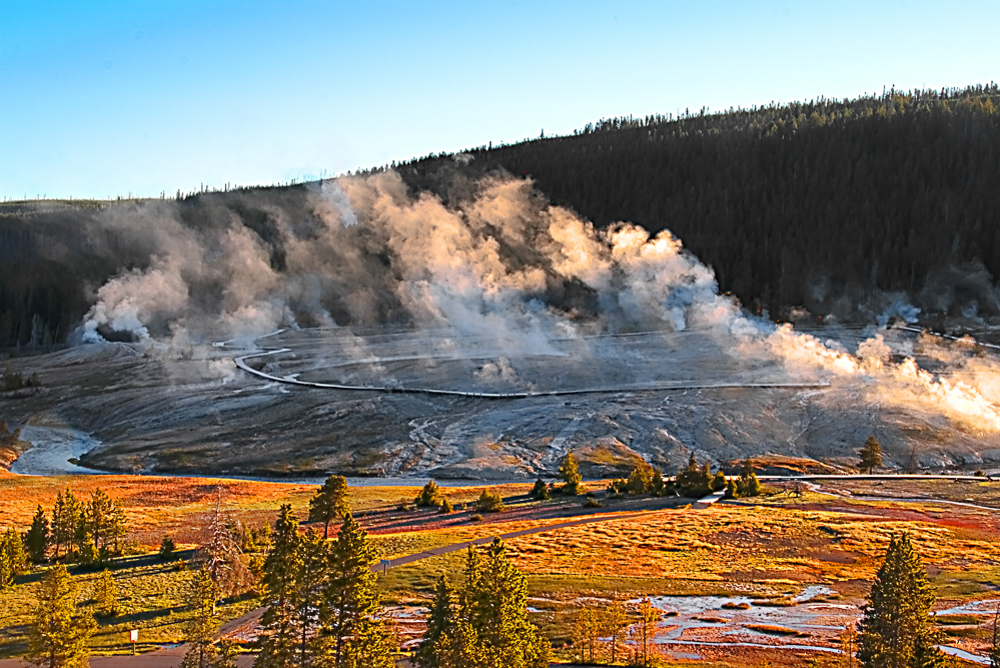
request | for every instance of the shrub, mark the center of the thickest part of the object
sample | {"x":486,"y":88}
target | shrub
{"x":592,"y":502}
{"x":489,"y":502}
{"x":719,"y":481}
{"x":476,"y":518}
{"x":445,"y":507}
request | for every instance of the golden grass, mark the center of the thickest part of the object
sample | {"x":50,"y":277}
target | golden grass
{"x":733,"y":543}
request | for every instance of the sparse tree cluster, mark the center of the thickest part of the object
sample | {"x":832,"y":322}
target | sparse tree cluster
{"x":87,"y":533}
{"x":600,"y":634}
{"x":484,"y":622}
{"x":325,"y":605}
{"x":746,"y":485}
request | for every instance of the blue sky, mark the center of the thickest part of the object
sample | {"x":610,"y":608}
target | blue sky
{"x":102,"y":98}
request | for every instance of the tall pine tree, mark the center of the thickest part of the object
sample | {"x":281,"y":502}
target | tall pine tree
{"x":279,"y":640}
{"x":352,"y":633}
{"x":58,"y":635}
{"x":329,"y":503}
{"x":895,"y":631}
{"x":37,"y":538}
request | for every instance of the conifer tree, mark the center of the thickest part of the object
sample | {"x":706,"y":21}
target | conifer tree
{"x":311,"y":582}
{"x":202,"y":651}
{"x":279,"y":640}
{"x":540,"y":491}
{"x":569,"y":471}
{"x":167,"y":549}
{"x":13,"y":557}
{"x":58,"y":635}
{"x":97,"y":517}
{"x":430,"y":495}
{"x":871,"y":454}
{"x":615,"y":623}
{"x":494,"y":603}
{"x":440,"y":628}
{"x":330,"y":502}
{"x":748,"y":484}
{"x":895,"y":630}
{"x":37,"y":538}
{"x":645,"y":631}
{"x":586,"y":631}
{"x":352,"y":632}
{"x":106,"y":595}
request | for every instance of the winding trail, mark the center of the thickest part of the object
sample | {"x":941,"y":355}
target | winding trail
{"x":678,"y":385}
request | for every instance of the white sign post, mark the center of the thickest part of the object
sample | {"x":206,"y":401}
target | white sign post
{"x":133,"y":637}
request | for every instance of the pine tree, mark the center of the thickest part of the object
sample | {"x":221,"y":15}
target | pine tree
{"x":871,"y":454}
{"x":58,"y":635}
{"x":586,"y":631}
{"x":202,"y":651}
{"x":615,"y":623}
{"x":106,"y":595}
{"x":116,"y":528}
{"x":494,"y":603}
{"x":13,"y":557}
{"x":279,"y":640}
{"x":221,"y":556}
{"x":167,"y":549}
{"x":311,"y":582}
{"x":540,"y":492}
{"x":645,"y":631}
{"x":440,"y":628}
{"x":430,"y":495}
{"x":98,"y":516}
{"x":895,"y":630}
{"x":330,"y":502}
{"x":748,"y":484}
{"x":569,"y":471}
{"x":37,"y":538}
{"x":351,"y":629}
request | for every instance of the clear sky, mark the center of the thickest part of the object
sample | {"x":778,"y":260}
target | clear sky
{"x":104,"y":97}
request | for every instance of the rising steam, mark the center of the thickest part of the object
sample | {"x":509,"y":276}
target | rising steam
{"x":501,"y":265}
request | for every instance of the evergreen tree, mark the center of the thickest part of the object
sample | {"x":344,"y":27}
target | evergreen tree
{"x":748,"y":484}
{"x":489,"y":502}
{"x":695,"y":481}
{"x":569,"y":471}
{"x":440,"y":629}
{"x":13,"y":557}
{"x":871,"y":454}
{"x":895,"y":630}
{"x":311,"y":582}
{"x":106,"y":595}
{"x":58,"y":635}
{"x":167,"y":549}
{"x":586,"y":632}
{"x":645,"y":631}
{"x":995,"y":644}
{"x":37,"y":538}
{"x":115,"y":528}
{"x":330,"y":502}
{"x":614,"y":624}
{"x":494,"y":602}
{"x":98,"y":516}
{"x":430,"y":495}
{"x":352,"y":634}
{"x":202,"y":651}
{"x":540,"y":492}
{"x":279,"y":640}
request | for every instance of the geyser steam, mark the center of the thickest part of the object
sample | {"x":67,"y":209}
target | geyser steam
{"x":502,"y":265}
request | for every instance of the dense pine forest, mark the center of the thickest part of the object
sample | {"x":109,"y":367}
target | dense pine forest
{"x":838,"y":206}
{"x":798,"y":204}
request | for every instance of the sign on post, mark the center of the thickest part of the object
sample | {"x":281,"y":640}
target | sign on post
{"x":385,"y":565}
{"x":133,"y":637}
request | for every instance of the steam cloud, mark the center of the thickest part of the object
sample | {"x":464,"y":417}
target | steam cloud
{"x":502,"y":265}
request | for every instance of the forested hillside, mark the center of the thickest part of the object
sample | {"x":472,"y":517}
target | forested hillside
{"x":797,"y":204}
{"x":843,"y":207}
